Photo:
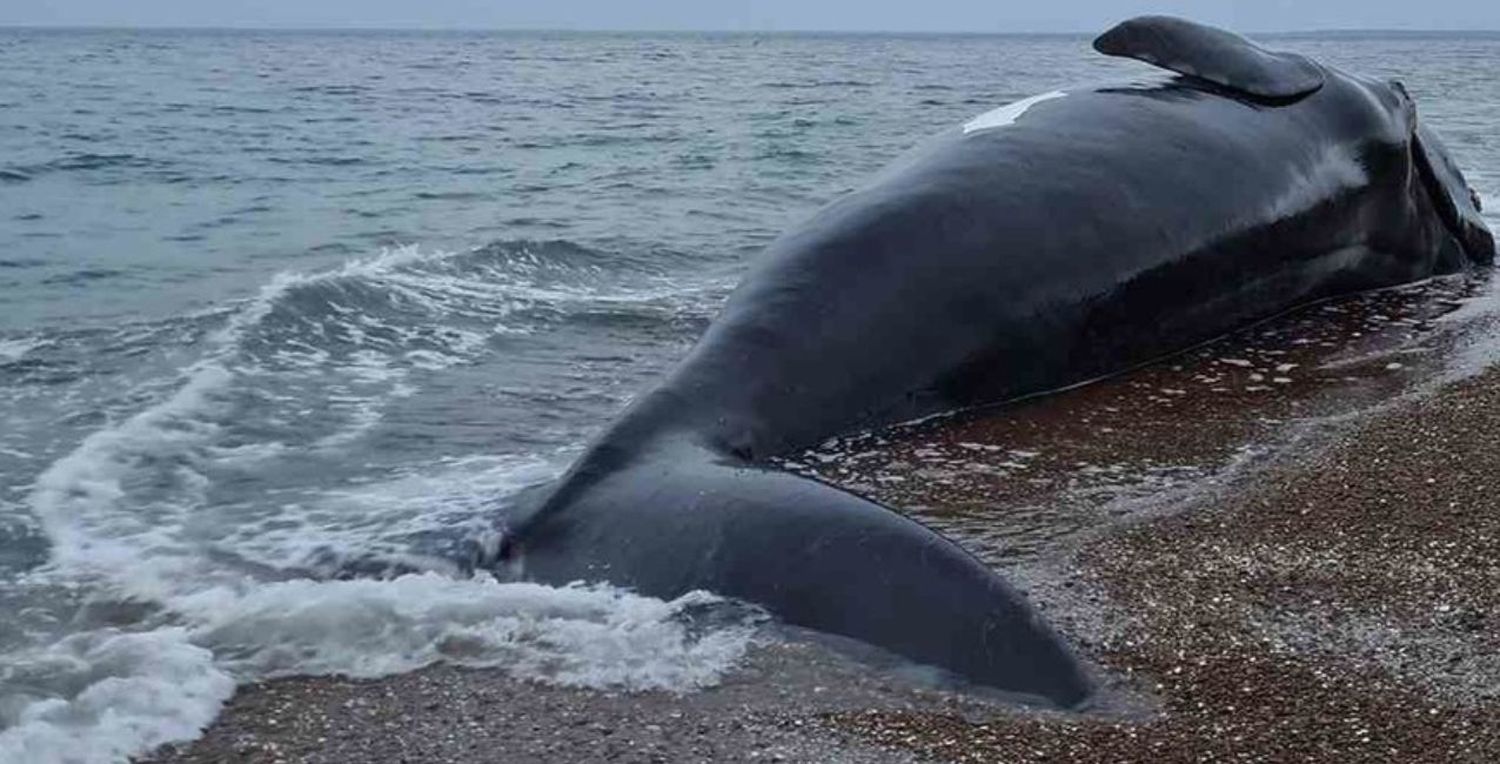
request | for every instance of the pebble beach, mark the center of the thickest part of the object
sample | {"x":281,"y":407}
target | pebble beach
{"x":1332,"y":595}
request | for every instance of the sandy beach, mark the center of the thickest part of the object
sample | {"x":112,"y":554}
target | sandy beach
{"x":1257,"y":569}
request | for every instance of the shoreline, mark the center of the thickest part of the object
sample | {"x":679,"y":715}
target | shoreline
{"x":1345,"y":607}
{"x":1334,"y":597}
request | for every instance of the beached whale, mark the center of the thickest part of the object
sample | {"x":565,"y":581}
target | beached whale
{"x":1043,"y":244}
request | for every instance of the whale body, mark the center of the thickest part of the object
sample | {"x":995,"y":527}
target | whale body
{"x":1038,"y":246}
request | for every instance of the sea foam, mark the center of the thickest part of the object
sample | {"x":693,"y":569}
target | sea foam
{"x":152,"y":611}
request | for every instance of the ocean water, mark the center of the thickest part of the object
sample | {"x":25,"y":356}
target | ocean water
{"x":273,"y":301}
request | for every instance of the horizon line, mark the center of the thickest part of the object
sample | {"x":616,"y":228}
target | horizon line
{"x":696,"y":30}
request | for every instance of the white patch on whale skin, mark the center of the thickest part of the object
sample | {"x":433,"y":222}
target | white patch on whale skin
{"x":1007,"y":115}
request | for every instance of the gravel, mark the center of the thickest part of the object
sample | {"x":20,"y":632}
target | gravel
{"x":1342,"y":605}
{"x":1257,"y":569}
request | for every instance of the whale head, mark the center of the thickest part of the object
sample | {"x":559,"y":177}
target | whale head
{"x":1456,"y":202}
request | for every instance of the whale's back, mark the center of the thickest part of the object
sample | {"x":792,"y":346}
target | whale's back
{"x":1042,"y":246}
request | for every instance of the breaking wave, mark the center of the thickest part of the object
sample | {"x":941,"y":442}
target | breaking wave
{"x":176,"y":529}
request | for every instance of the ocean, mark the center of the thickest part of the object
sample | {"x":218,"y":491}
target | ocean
{"x":275,"y":301}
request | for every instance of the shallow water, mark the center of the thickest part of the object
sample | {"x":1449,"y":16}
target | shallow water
{"x":275,"y":298}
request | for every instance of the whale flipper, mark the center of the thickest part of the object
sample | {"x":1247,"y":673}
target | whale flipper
{"x":1212,"y":54}
{"x":686,"y":518}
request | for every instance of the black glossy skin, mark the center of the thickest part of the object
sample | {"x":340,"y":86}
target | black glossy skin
{"x":1101,"y":230}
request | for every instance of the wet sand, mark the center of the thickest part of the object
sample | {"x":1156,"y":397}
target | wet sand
{"x":1282,"y":546}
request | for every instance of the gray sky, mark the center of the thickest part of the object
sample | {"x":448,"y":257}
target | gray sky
{"x":913,"y":15}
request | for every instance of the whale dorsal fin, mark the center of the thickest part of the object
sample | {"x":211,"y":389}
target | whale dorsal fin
{"x":1208,"y":53}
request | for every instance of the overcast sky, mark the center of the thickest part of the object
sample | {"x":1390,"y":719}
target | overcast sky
{"x":759,"y":15}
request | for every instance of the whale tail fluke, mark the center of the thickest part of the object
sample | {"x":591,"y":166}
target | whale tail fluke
{"x":685,"y":518}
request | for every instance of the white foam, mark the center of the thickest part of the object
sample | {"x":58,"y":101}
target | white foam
{"x":125,"y":512}
{"x":1007,"y":115}
{"x":582,"y":636}
{"x":138,"y":691}
{"x":78,"y":499}
{"x":14,"y":349}
{"x":354,"y":521}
